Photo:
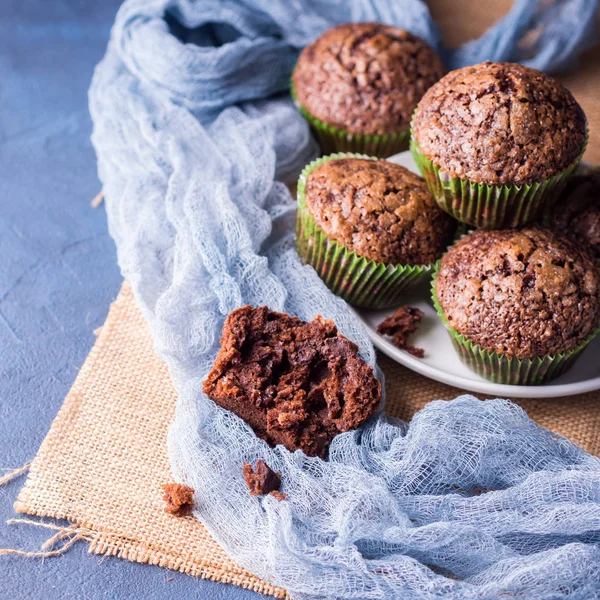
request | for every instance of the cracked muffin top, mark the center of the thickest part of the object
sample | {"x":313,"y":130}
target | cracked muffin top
{"x":378,"y":210}
{"x":524,"y":293}
{"x":365,"y":77}
{"x":500,"y":123}
{"x":578,"y":209}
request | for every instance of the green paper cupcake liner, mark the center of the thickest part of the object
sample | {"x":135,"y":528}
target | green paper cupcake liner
{"x":361,"y":282}
{"x":500,"y":368}
{"x":332,"y":139}
{"x":490,"y":206}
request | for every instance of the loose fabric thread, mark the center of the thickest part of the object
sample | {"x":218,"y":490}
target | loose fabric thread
{"x":13,"y":474}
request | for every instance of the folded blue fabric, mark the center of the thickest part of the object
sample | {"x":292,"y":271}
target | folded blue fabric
{"x":194,"y":134}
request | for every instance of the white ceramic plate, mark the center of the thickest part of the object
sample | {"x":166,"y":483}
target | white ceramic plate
{"x":441,"y":361}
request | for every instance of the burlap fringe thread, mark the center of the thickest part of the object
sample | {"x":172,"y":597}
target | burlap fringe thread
{"x":97,"y":201}
{"x":73,"y":533}
{"x":14,"y":474}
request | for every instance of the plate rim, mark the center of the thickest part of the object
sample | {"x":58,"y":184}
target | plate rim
{"x":501,"y":390}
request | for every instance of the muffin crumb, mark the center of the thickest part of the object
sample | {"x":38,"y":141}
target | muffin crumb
{"x":399,"y":326}
{"x":179,"y":499}
{"x":262,"y":479}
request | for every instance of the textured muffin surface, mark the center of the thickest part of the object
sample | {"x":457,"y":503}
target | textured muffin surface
{"x":365,"y":77}
{"x":578,"y":209}
{"x":379,"y":210}
{"x":295,"y":383}
{"x":523,"y":293}
{"x":500,"y":123}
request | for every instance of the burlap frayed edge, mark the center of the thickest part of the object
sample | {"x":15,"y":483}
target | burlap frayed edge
{"x":114,"y":544}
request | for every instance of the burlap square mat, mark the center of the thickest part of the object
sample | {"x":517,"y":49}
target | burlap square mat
{"x":102,"y":464}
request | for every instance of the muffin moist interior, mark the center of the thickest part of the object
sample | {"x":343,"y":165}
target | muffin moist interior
{"x":378,"y":210}
{"x":525,"y":293}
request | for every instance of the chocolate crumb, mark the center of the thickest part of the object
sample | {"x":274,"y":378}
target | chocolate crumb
{"x":262,"y":479}
{"x":169,"y":579}
{"x":400,"y":326}
{"x":179,"y":499}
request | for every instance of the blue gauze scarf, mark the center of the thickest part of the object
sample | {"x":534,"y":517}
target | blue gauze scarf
{"x":193,"y":140}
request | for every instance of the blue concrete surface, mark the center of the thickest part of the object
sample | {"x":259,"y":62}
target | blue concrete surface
{"x":58,"y":275}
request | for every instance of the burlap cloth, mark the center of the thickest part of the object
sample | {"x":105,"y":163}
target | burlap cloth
{"x":103,"y":462}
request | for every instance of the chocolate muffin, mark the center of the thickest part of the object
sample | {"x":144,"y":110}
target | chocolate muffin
{"x":378,"y":210}
{"x":295,"y":383}
{"x":368,"y":227}
{"x":364,"y":79}
{"x":520,"y":293}
{"x":577,"y":211}
{"x":502,"y":125}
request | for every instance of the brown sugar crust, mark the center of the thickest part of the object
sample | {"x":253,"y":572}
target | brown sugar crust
{"x":365,"y":77}
{"x":524,"y":293}
{"x":500,"y":123}
{"x":295,"y":383}
{"x":400,"y":326}
{"x":262,"y":480}
{"x":577,"y":211}
{"x":179,"y":499}
{"x":378,"y":210}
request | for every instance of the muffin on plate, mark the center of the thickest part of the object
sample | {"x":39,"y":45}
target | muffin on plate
{"x":520,"y":305}
{"x":496,"y":142}
{"x":577,"y":211}
{"x":369,"y":227}
{"x":358,"y":85}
